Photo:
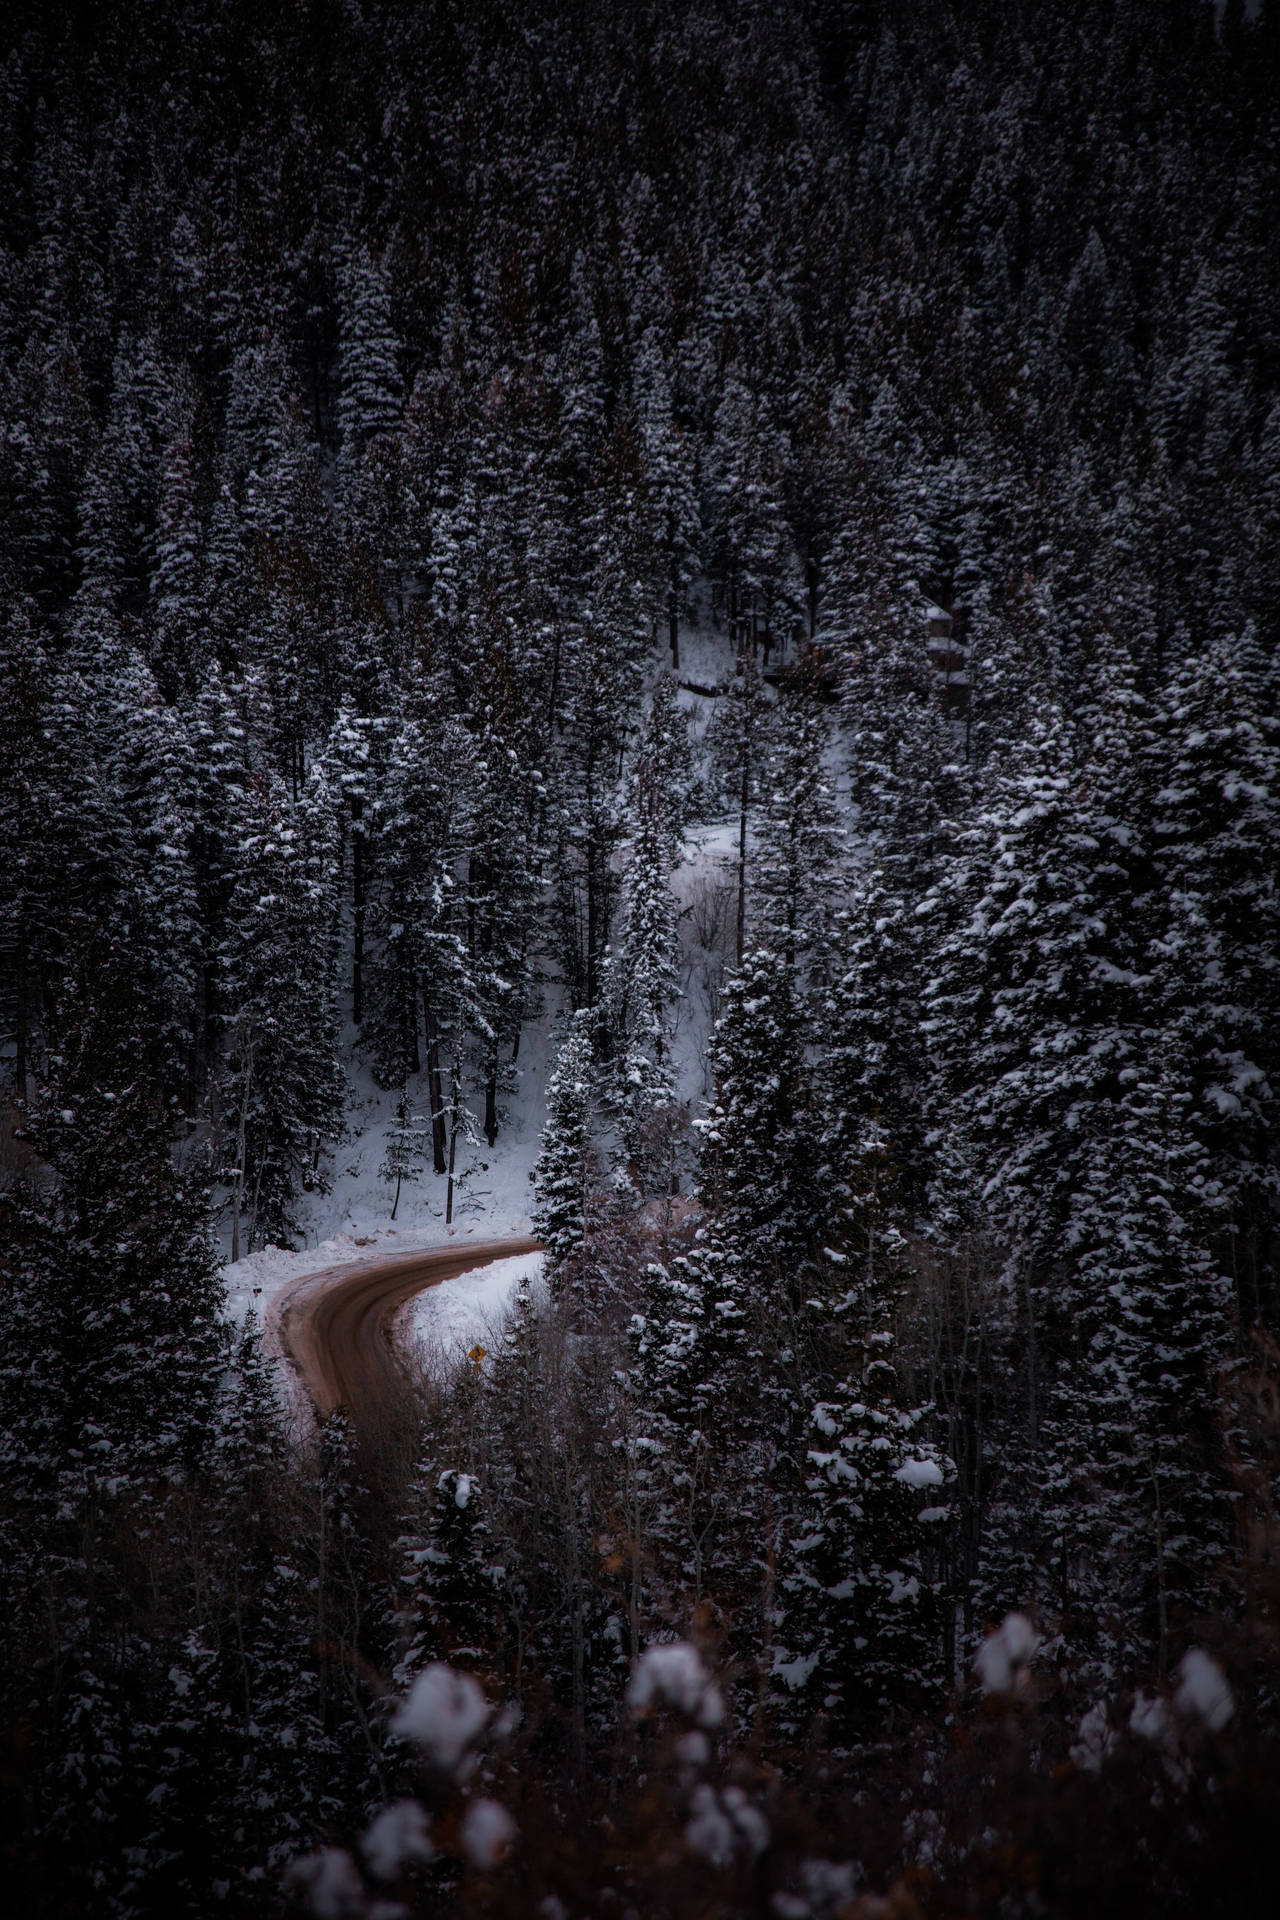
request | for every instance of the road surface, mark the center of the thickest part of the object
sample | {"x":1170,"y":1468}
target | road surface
{"x":338,"y":1326}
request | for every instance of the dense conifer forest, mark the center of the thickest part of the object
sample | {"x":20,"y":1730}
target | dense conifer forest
{"x":449,"y":454}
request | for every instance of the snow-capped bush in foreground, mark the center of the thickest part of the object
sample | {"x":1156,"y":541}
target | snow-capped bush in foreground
{"x":396,"y":1838}
{"x":1204,"y":1694}
{"x":1004,"y":1656}
{"x":674,"y":1676}
{"x":445,"y":1714}
{"x":725,"y":1824}
{"x":488,"y":1834}
{"x":1096,"y":1739}
{"x":329,"y":1882}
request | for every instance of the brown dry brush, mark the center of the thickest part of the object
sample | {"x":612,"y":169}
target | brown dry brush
{"x":991,"y":1805}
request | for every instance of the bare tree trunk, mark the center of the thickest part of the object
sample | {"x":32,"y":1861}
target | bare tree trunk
{"x":411,"y":1024}
{"x":455,"y":1090}
{"x":257,"y":1189}
{"x":596,"y":881}
{"x":242,"y":1126}
{"x":491,"y":1096}
{"x":743,"y":802}
{"x":1162,"y":1594}
{"x":358,"y":885}
{"x":435,"y":1092}
{"x":21,"y":1012}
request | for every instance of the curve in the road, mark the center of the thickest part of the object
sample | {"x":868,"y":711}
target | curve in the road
{"x":338,"y":1326}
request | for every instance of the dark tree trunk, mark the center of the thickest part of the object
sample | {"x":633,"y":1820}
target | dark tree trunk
{"x":358,"y":883}
{"x":21,"y":1014}
{"x":435,"y":1092}
{"x":491,"y":1098}
{"x":743,"y":802}
{"x":453,"y":1144}
{"x":413,"y":1051}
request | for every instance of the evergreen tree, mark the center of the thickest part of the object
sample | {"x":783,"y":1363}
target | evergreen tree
{"x":862,"y":1617}
{"x":452,"y":1581}
{"x":283,"y":1087}
{"x":370,"y":391}
{"x":669,"y":480}
{"x":650,"y":983}
{"x":1216,"y":975}
{"x":1045,"y":986}
{"x":721,"y":1346}
{"x":797,"y":864}
{"x":738,"y":738}
{"x":562,"y":1173}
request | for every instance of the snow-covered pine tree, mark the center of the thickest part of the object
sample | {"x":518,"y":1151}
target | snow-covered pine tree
{"x":562,"y":1173}
{"x":422,"y":990}
{"x":1040,"y":1012}
{"x":1217,"y":980}
{"x":721,"y":1347}
{"x":63,"y":835}
{"x":353,"y":762}
{"x":663,"y":757}
{"x":45,"y":389}
{"x":283,"y":1087}
{"x":650,"y":979}
{"x":218,"y":760}
{"x":797,"y":866}
{"x":757,"y":1154}
{"x":872,"y":1064}
{"x":738,"y":741}
{"x":450,"y":1605}
{"x":504,"y":886}
{"x":602,"y":676}
{"x":370,"y":394}
{"x":862,"y":1623}
{"x":120,"y":491}
{"x":901,"y":745}
{"x":179,"y":648}
{"x":748,"y":537}
{"x":669,"y":482}
{"x":145,"y":752}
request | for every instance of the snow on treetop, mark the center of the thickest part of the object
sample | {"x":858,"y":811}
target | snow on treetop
{"x":920,"y":1473}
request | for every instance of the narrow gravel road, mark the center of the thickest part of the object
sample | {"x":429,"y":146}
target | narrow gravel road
{"x":338,"y":1326}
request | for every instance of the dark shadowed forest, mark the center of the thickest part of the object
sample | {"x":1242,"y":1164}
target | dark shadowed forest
{"x":449,"y":455}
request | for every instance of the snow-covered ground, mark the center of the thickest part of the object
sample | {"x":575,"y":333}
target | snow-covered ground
{"x":351,"y":1224}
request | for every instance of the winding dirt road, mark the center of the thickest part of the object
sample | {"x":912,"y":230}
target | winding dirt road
{"x":338,"y":1326}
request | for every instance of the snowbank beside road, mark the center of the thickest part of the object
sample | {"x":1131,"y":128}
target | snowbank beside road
{"x":447,"y":1321}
